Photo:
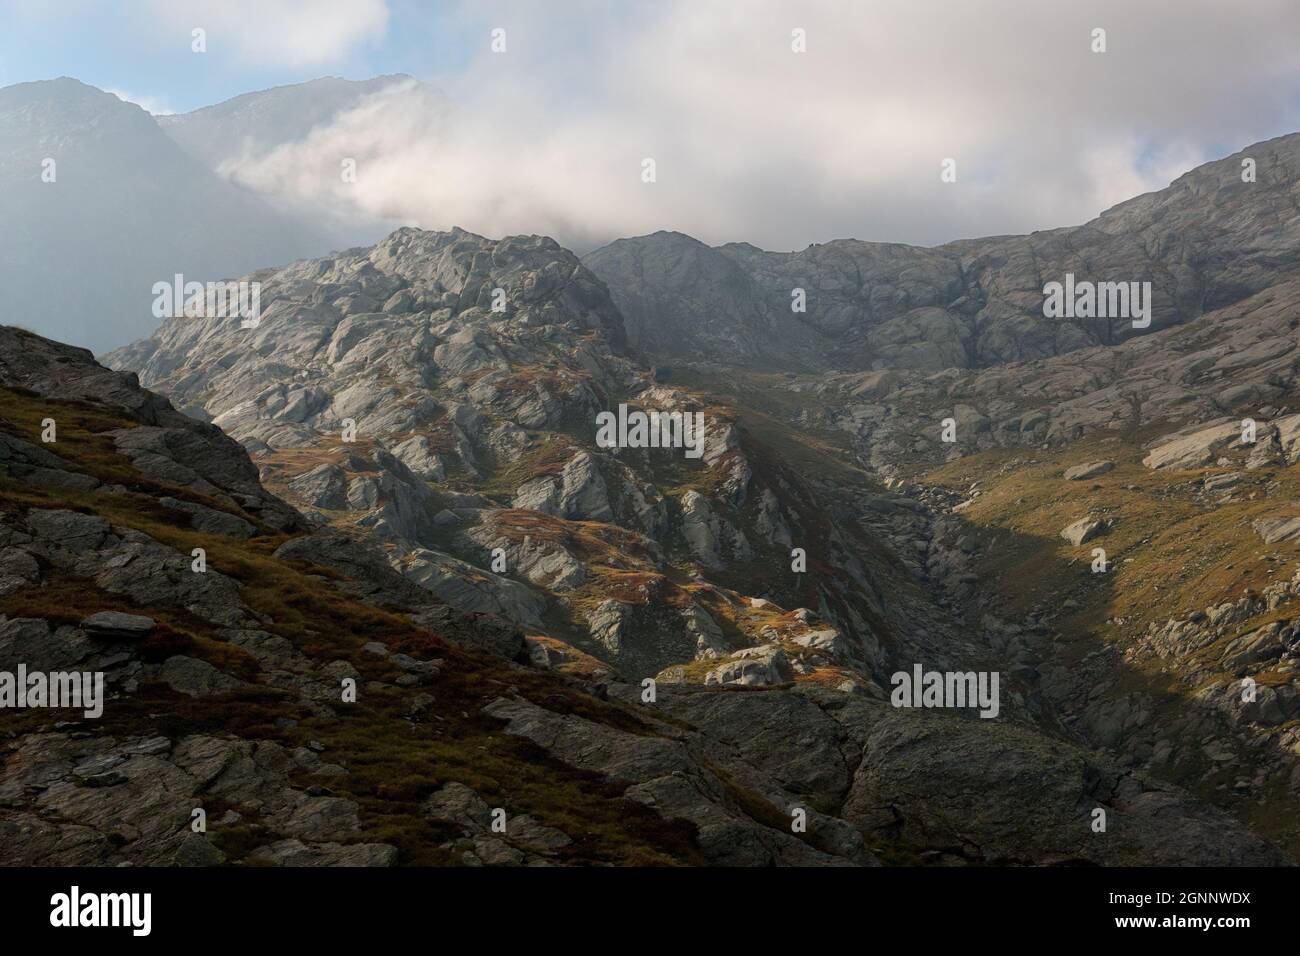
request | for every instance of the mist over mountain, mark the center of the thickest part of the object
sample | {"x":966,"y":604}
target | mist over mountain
{"x":127,"y":208}
{"x":257,"y":123}
{"x":300,"y":169}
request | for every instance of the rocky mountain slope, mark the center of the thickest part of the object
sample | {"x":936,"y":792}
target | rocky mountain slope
{"x":1136,"y":501}
{"x":1131,"y":493}
{"x":1206,"y":242}
{"x":472,"y":456}
{"x":228,"y":693}
{"x":387,"y":399}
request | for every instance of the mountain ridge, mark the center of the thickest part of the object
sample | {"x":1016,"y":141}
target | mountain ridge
{"x":967,"y":303}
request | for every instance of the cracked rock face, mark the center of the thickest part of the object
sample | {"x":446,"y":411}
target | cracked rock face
{"x":927,"y":766}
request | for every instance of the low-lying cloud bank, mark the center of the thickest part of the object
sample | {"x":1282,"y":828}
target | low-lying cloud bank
{"x":755,"y":142}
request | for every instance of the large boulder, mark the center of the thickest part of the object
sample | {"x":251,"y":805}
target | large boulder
{"x":1093,"y":469}
{"x":1195,"y":448}
{"x":1085,"y":529}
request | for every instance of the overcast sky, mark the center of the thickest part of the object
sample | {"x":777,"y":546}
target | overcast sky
{"x":751,"y":140}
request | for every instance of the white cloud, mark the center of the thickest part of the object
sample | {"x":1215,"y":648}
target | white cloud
{"x":293,"y":33}
{"x":150,"y":104}
{"x":754,"y":142}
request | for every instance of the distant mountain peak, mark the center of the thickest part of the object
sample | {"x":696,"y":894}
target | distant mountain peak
{"x":126,"y":208}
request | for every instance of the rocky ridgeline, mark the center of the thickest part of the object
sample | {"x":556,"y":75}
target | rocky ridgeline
{"x":901,"y":338}
{"x":1206,"y":242}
